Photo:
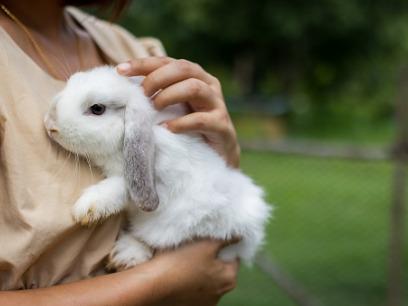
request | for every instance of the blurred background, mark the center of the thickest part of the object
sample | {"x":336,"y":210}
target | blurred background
{"x":317,"y":92}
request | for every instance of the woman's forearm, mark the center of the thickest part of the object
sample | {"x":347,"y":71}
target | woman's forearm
{"x":192,"y":274}
{"x":133,"y":287}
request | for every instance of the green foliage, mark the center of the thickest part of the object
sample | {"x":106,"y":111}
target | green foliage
{"x":326,"y":57}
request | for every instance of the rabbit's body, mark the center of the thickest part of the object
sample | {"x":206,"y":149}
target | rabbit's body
{"x":199,"y":195}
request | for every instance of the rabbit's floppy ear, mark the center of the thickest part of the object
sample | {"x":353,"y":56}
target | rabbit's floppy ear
{"x":138,"y":150}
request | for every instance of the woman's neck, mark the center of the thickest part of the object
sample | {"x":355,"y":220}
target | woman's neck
{"x":43,"y":16}
{"x":64,"y":44}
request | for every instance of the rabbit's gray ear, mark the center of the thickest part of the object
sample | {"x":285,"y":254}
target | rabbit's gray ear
{"x":138,"y":150}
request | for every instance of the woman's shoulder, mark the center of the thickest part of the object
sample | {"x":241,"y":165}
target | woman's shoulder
{"x":116,"y":42}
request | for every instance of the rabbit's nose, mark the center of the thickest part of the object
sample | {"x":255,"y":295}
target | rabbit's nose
{"x":50,"y":125}
{"x":52,"y":131}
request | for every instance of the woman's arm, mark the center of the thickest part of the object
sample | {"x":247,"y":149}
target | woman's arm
{"x":181,"y":81}
{"x":190,"y":275}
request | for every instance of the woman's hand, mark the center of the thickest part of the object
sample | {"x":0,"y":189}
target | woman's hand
{"x":172,"y":81}
{"x":190,"y":275}
{"x":193,"y":275}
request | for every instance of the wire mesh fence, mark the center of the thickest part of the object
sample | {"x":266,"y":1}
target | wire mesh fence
{"x":338,"y":236}
{"x":329,"y":241}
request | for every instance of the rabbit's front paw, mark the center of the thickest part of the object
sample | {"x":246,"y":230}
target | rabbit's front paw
{"x":91,"y":208}
{"x":127,"y":253}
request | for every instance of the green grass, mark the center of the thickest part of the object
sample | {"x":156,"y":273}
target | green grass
{"x":330,"y":229}
{"x":348,"y":132}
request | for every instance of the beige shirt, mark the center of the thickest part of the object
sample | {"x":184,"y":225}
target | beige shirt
{"x":40,"y":245}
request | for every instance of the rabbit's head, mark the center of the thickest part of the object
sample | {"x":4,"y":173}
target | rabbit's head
{"x":102,"y":114}
{"x":87,"y":116}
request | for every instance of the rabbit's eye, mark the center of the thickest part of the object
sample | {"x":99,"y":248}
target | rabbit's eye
{"x":97,"y":109}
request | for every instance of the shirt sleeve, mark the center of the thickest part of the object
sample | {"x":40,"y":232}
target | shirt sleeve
{"x":153,"y":46}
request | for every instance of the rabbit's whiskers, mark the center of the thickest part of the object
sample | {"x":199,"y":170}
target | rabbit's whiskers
{"x":77,"y":169}
{"x":65,"y":161}
{"x":55,"y":153}
{"x":88,"y":161}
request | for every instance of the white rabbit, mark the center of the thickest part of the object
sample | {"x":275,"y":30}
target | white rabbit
{"x":174,"y":187}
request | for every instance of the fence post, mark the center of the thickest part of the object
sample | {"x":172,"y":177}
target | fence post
{"x":397,"y":217}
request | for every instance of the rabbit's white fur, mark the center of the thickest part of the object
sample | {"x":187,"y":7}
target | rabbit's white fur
{"x":199,"y":195}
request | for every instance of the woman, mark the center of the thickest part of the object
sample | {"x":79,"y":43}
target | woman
{"x":41,"y":247}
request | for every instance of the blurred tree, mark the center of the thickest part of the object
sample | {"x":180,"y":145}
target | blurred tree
{"x":314,"y":51}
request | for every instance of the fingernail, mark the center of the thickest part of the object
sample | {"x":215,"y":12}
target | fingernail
{"x":124,"y":68}
{"x":165,"y":125}
{"x":155,"y":94}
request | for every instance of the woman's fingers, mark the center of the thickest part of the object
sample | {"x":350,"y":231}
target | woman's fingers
{"x":173,"y":72}
{"x":198,"y":94}
{"x":216,"y":245}
{"x":169,"y":81}
{"x":231,"y":269}
{"x":200,"y":122}
{"x":161,"y":72}
{"x":233,"y":240}
{"x":142,"y":66}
